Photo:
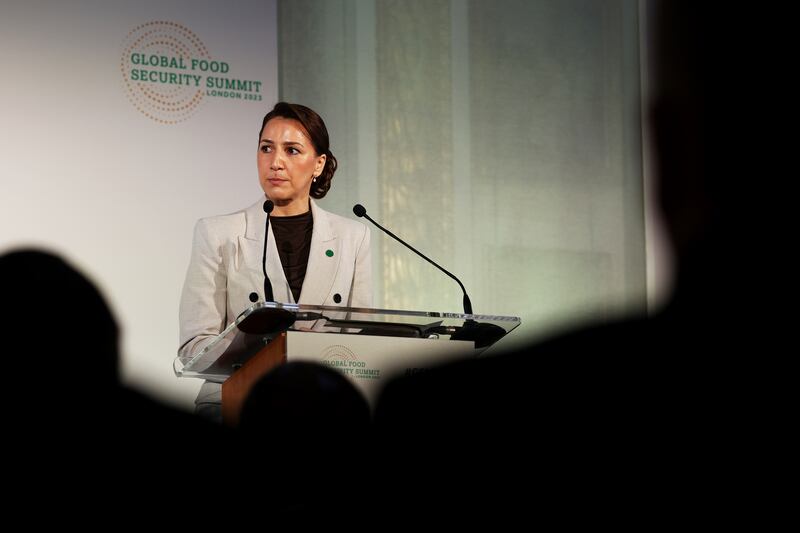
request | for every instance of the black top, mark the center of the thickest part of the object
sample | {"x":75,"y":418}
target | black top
{"x":293,"y":239}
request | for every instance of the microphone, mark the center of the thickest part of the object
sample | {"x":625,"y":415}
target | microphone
{"x":268,"y":297}
{"x":360,"y":211}
{"x":267,"y":321}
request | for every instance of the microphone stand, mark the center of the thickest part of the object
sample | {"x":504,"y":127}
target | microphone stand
{"x":482,"y":333}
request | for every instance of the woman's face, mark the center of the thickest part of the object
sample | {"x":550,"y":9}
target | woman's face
{"x":287,"y":162}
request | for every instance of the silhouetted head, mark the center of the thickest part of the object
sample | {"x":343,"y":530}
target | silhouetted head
{"x":304,"y":400}
{"x":701,"y":114}
{"x":59,"y":325}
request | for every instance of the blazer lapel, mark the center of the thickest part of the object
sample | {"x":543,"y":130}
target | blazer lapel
{"x":323,"y":260}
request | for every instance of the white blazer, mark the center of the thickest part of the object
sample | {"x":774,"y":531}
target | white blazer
{"x":225,"y":268}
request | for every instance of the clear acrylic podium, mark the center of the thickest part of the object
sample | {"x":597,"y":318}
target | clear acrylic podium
{"x":369,"y":346}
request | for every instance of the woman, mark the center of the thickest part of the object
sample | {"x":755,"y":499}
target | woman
{"x":313,"y":257}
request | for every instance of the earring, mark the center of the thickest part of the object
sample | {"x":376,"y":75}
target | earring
{"x":314,"y":180}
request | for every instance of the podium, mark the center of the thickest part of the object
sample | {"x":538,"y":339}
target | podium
{"x":369,"y":346}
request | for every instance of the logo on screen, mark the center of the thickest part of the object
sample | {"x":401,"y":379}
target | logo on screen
{"x":168,"y":73}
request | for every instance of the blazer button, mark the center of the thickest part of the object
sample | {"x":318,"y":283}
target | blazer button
{"x":337,"y":298}
{"x":253,"y":297}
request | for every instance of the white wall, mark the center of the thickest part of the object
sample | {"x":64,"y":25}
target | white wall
{"x":86,"y":173}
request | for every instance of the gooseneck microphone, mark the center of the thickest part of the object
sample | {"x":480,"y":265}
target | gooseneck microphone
{"x":360,"y":211}
{"x":268,"y":297}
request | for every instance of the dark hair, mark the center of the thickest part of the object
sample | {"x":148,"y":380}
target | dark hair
{"x":318,"y":134}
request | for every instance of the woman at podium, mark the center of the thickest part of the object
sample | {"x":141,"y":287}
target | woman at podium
{"x":312,"y":256}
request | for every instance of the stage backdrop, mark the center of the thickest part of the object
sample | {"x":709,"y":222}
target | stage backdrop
{"x":122,"y":124}
{"x":502,"y":137}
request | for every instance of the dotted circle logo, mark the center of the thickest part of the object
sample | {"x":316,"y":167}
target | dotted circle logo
{"x":337,"y":352}
{"x":153,"y":66}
